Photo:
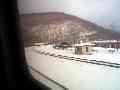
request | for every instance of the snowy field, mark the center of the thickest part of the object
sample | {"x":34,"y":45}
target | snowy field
{"x":73,"y":74}
{"x":99,"y":54}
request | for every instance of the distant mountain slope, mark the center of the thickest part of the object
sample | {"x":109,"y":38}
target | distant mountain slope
{"x":55,"y":22}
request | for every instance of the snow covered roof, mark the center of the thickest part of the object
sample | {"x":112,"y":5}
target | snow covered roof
{"x":107,"y":41}
{"x":39,"y":43}
{"x":84,"y":44}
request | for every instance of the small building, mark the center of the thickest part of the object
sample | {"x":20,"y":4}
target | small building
{"x":83,"y":48}
{"x":108,"y":44}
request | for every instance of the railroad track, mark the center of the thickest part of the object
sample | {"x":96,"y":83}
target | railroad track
{"x":115,"y":65}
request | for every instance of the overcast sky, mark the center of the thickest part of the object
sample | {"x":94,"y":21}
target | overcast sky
{"x":101,"y":12}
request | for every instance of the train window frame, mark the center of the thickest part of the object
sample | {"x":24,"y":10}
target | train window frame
{"x":14,"y":67}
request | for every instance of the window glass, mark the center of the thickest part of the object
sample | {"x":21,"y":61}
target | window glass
{"x":72,"y":44}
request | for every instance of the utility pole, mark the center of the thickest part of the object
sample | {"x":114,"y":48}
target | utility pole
{"x":49,"y":38}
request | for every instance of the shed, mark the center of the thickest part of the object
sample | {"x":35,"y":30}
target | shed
{"x":83,"y":48}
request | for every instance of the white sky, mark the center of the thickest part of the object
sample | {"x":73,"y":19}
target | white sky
{"x":102,"y":12}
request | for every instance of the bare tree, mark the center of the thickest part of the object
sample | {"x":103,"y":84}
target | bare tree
{"x":72,"y":34}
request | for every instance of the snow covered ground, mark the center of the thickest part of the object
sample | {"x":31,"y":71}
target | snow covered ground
{"x":75,"y":75}
{"x":99,"y":54}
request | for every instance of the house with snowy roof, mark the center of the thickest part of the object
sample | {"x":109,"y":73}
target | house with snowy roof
{"x":83,"y":48}
{"x":108,"y":43}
